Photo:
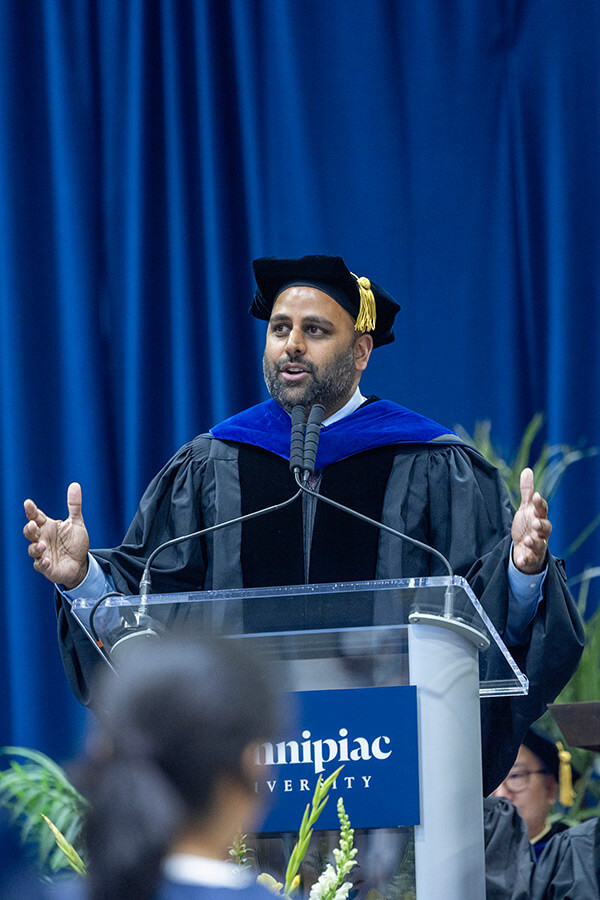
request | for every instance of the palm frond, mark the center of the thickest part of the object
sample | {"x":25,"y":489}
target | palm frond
{"x":34,"y":786}
{"x":548,"y":469}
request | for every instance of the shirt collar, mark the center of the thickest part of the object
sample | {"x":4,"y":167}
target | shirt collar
{"x":187,"y":868}
{"x":351,"y":406}
{"x":539,"y":836}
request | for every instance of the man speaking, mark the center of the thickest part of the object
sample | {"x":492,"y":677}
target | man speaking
{"x":375,"y":457}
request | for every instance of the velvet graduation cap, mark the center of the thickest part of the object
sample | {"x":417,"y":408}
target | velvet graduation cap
{"x":372,"y":308}
{"x":555,"y":760}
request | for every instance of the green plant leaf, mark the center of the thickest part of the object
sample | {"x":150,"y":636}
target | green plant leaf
{"x":548,"y":469}
{"x":583,"y":536}
{"x":33,"y":785}
{"x":524,"y":452}
{"x":311,"y":814}
{"x":66,"y":848}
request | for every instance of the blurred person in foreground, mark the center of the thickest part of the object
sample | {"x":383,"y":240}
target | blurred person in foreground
{"x":171,"y":774}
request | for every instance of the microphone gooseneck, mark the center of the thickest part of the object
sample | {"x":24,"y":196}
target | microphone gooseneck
{"x":297,"y":455}
{"x":146,"y":580}
{"x":399,"y":534}
{"x":313,"y":429}
{"x":304,"y":440}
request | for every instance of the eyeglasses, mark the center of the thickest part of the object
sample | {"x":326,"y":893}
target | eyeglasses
{"x":518,"y":781}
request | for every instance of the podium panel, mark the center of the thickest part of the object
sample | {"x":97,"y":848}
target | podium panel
{"x":426,"y":638}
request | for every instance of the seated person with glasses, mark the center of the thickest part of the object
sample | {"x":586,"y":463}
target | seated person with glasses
{"x":532,"y":786}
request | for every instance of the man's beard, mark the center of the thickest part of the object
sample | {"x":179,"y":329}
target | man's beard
{"x":332,"y":388}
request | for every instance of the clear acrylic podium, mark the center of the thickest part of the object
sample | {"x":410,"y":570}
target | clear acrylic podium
{"x":428,"y":632}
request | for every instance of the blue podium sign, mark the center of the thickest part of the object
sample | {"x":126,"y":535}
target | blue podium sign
{"x":372,"y":733}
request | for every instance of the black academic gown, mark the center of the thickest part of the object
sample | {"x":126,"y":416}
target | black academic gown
{"x":509,"y":857}
{"x":568,"y":867}
{"x":434,"y":488}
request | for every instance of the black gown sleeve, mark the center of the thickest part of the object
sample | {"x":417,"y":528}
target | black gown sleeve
{"x":509,"y":858}
{"x":470,"y":521}
{"x":569,"y":866}
{"x":548,"y":659}
{"x":170,"y":507}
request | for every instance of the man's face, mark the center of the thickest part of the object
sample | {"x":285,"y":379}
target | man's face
{"x":312,"y":354}
{"x":538,"y":790}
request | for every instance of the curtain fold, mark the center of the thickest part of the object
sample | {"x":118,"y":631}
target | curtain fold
{"x":150,"y":149}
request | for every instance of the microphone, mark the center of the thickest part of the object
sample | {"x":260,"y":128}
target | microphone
{"x":311,"y":440}
{"x":303,"y":452}
{"x":310,"y":453}
{"x":297,"y":439}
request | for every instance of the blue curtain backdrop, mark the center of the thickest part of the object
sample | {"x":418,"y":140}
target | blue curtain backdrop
{"x":149,"y":150}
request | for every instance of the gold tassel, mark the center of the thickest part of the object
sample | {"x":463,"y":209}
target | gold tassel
{"x":566,"y":794}
{"x":365,"y":321}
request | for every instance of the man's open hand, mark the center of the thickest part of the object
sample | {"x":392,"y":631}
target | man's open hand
{"x":530,"y":529}
{"x":59,"y":547}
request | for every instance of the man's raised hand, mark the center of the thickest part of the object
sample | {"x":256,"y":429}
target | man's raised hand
{"x":530,"y":529}
{"x":59,"y":547}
